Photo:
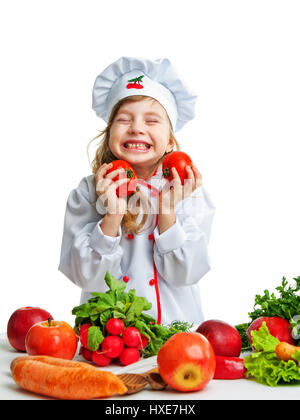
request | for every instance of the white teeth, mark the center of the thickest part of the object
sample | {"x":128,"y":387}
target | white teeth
{"x":136,"y":145}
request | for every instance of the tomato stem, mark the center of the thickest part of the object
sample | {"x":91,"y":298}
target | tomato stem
{"x":166,"y":172}
{"x":129,"y":173}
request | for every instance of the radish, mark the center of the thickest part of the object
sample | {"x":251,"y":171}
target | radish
{"x":143,"y":343}
{"x":84,"y":327}
{"x":112,"y":346}
{"x":84,"y":338}
{"x":100,"y":359}
{"x":86,"y":353}
{"x":129,"y":355}
{"x":131,"y":337}
{"x":114,"y":326}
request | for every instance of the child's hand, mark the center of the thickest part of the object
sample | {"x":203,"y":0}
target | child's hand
{"x":173,"y":192}
{"x":106,"y":189}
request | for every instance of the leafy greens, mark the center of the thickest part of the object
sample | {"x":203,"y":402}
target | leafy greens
{"x":265,"y":366}
{"x":116,"y":303}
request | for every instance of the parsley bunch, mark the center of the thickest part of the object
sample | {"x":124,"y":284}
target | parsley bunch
{"x":286,"y":305}
{"x":116,"y":303}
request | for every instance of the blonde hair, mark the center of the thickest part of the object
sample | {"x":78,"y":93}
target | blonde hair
{"x":103,"y":155}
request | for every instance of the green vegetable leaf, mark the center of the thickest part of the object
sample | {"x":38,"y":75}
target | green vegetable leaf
{"x":118,"y":314}
{"x":269,"y":370}
{"x":113,"y":283}
{"x":139,"y":304}
{"x":95,"y":338}
{"x":296,"y":356}
{"x":263,"y":340}
{"x":131,"y":295}
{"x":108,"y":298}
{"x":242,"y":330}
{"x":82,"y":311}
{"x":105,"y":316}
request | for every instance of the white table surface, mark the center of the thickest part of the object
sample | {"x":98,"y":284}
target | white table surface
{"x":239,"y":389}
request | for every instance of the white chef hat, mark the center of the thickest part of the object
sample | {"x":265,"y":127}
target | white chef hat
{"x":158,"y":79}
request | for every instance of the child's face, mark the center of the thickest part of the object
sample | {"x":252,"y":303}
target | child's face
{"x":140,"y":134}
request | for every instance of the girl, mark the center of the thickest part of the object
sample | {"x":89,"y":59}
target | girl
{"x":156,"y":240}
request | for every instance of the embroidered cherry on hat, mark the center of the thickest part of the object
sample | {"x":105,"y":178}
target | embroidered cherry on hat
{"x":135,"y":83}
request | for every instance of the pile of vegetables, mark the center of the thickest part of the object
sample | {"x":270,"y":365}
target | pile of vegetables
{"x":284,"y":303}
{"x":115,"y":303}
{"x":273,"y":362}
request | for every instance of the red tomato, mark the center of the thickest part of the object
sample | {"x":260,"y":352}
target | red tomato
{"x":178,"y":160}
{"x":278,"y":327}
{"x":125,"y":189}
{"x":51,"y":338}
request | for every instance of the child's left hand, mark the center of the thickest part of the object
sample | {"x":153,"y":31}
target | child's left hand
{"x":174,"y":192}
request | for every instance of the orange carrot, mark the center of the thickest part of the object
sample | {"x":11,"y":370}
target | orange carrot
{"x":284,"y":351}
{"x":64,"y":379}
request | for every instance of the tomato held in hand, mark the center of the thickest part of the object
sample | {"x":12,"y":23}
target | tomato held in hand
{"x":178,"y":160}
{"x":51,"y":338}
{"x":125,"y":189}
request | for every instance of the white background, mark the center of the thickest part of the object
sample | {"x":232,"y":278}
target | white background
{"x":242,"y":60}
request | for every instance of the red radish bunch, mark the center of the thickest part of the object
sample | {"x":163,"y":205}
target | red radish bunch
{"x":120,"y":343}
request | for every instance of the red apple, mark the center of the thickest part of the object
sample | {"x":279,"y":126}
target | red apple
{"x":186,"y":361}
{"x":20,"y":322}
{"x":278,"y":327}
{"x":225,"y":339}
{"x":51,"y":338}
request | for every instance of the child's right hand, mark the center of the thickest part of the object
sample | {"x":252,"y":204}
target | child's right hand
{"x":106,"y":189}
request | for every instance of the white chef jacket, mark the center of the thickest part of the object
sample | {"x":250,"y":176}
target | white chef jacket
{"x":176,"y":259}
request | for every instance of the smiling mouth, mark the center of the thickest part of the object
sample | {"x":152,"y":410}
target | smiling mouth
{"x":137,"y":146}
